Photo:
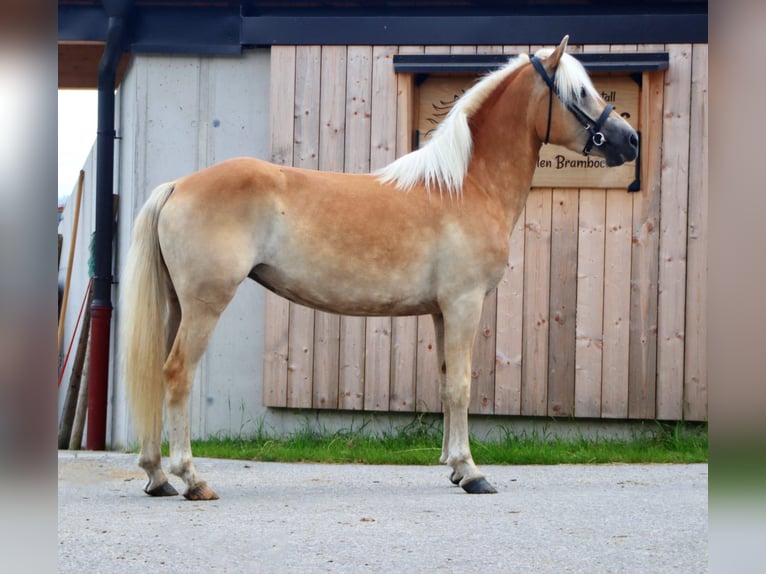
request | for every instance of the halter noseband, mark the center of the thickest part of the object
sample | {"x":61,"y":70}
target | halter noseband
{"x":593,"y":127}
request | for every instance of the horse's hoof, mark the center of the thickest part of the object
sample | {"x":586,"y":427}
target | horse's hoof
{"x":478,"y":486}
{"x":455,"y":479}
{"x":201,"y":492}
{"x":164,"y":489}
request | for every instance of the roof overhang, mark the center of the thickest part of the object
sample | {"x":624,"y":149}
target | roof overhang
{"x":227,"y":27}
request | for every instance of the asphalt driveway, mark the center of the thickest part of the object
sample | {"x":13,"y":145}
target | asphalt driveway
{"x":281,"y":518}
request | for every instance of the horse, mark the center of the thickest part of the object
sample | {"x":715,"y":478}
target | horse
{"x":427,"y":234}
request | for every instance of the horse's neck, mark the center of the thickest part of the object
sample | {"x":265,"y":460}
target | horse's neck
{"x":505,"y":146}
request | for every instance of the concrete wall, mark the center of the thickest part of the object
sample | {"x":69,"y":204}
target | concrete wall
{"x":176,"y":115}
{"x":179,"y":115}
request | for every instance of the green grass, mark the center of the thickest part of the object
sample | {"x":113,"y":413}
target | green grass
{"x":420,"y":443}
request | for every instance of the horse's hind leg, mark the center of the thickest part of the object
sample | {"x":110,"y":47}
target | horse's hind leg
{"x":439,"y":330}
{"x":442,"y":366}
{"x":197,"y":323}
{"x":150,"y":458}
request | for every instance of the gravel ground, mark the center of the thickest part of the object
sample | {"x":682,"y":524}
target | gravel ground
{"x":283,"y":518}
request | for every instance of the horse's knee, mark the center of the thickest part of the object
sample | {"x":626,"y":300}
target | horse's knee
{"x":457,"y":397}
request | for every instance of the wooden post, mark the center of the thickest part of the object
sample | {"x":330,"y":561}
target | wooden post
{"x":70,"y":402}
{"x":78,"y":426}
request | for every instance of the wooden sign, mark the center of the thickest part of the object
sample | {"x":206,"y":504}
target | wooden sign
{"x":557,"y":166}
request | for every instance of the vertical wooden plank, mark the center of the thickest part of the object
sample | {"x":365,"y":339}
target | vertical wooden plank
{"x":563,"y":302}
{"x":483,"y":358}
{"x":510,"y":313}
{"x":332,"y":127}
{"x":590,"y":300}
{"x":537,"y":255}
{"x":305,"y":154}
{"x":358,"y":108}
{"x":616,"y":348}
{"x":695,"y":369}
{"x":483,"y":364}
{"x":428,"y":378}
{"x":617,"y":265}
{"x":357,"y":160}
{"x":404,"y":333}
{"x":537,"y":258}
{"x":306,"y":110}
{"x":382,"y":151}
{"x":644,"y":254}
{"x":427,"y":396}
{"x":282,"y":99}
{"x":276,"y":312}
{"x":404,"y":330}
{"x":674,"y":203}
{"x":384,"y":100}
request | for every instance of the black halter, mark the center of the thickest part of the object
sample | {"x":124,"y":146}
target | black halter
{"x":593,"y":127}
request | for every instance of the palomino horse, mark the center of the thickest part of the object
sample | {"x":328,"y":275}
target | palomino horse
{"x":373,"y":244}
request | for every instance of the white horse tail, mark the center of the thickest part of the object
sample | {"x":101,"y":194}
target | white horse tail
{"x":143,"y":318}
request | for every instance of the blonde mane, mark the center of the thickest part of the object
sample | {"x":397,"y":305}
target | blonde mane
{"x":443,"y":161}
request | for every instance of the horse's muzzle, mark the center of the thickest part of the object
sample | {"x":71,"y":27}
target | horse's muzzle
{"x":621,"y":147}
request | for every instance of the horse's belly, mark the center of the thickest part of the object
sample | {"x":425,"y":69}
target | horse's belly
{"x":350,"y":294}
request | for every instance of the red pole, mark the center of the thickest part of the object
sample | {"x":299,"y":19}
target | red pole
{"x":98,"y":394}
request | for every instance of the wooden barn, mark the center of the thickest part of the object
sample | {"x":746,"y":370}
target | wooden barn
{"x":601,"y":312}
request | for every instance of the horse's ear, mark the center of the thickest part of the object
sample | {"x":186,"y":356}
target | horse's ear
{"x":553,"y":60}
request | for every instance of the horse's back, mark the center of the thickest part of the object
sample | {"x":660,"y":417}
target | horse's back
{"x":339,"y":242}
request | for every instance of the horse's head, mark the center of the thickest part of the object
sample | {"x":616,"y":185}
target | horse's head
{"x":572,"y":113}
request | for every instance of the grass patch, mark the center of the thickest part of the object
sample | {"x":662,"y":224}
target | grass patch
{"x":419,"y":443}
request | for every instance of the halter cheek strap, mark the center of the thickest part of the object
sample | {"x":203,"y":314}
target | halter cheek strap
{"x":550,"y":109}
{"x":551,"y":90}
{"x":593,"y":127}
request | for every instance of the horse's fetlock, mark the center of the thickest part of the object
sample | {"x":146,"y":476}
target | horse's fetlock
{"x":180,"y":468}
{"x":148,"y":463}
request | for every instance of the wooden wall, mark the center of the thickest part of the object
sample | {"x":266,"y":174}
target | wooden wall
{"x":601,"y":312}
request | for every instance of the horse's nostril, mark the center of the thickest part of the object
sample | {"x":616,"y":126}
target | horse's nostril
{"x":633,"y":139}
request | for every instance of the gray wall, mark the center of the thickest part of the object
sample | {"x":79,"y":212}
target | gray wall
{"x":179,"y":115}
{"x":176,"y":115}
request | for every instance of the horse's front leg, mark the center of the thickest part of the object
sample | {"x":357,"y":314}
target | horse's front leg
{"x":460,"y":324}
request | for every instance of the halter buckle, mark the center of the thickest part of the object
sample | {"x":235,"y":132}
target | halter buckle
{"x":598,"y":139}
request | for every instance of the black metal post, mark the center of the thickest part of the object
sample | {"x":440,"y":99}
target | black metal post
{"x":101,"y":309}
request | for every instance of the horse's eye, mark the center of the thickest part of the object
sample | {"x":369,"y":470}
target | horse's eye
{"x":582,"y":93}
